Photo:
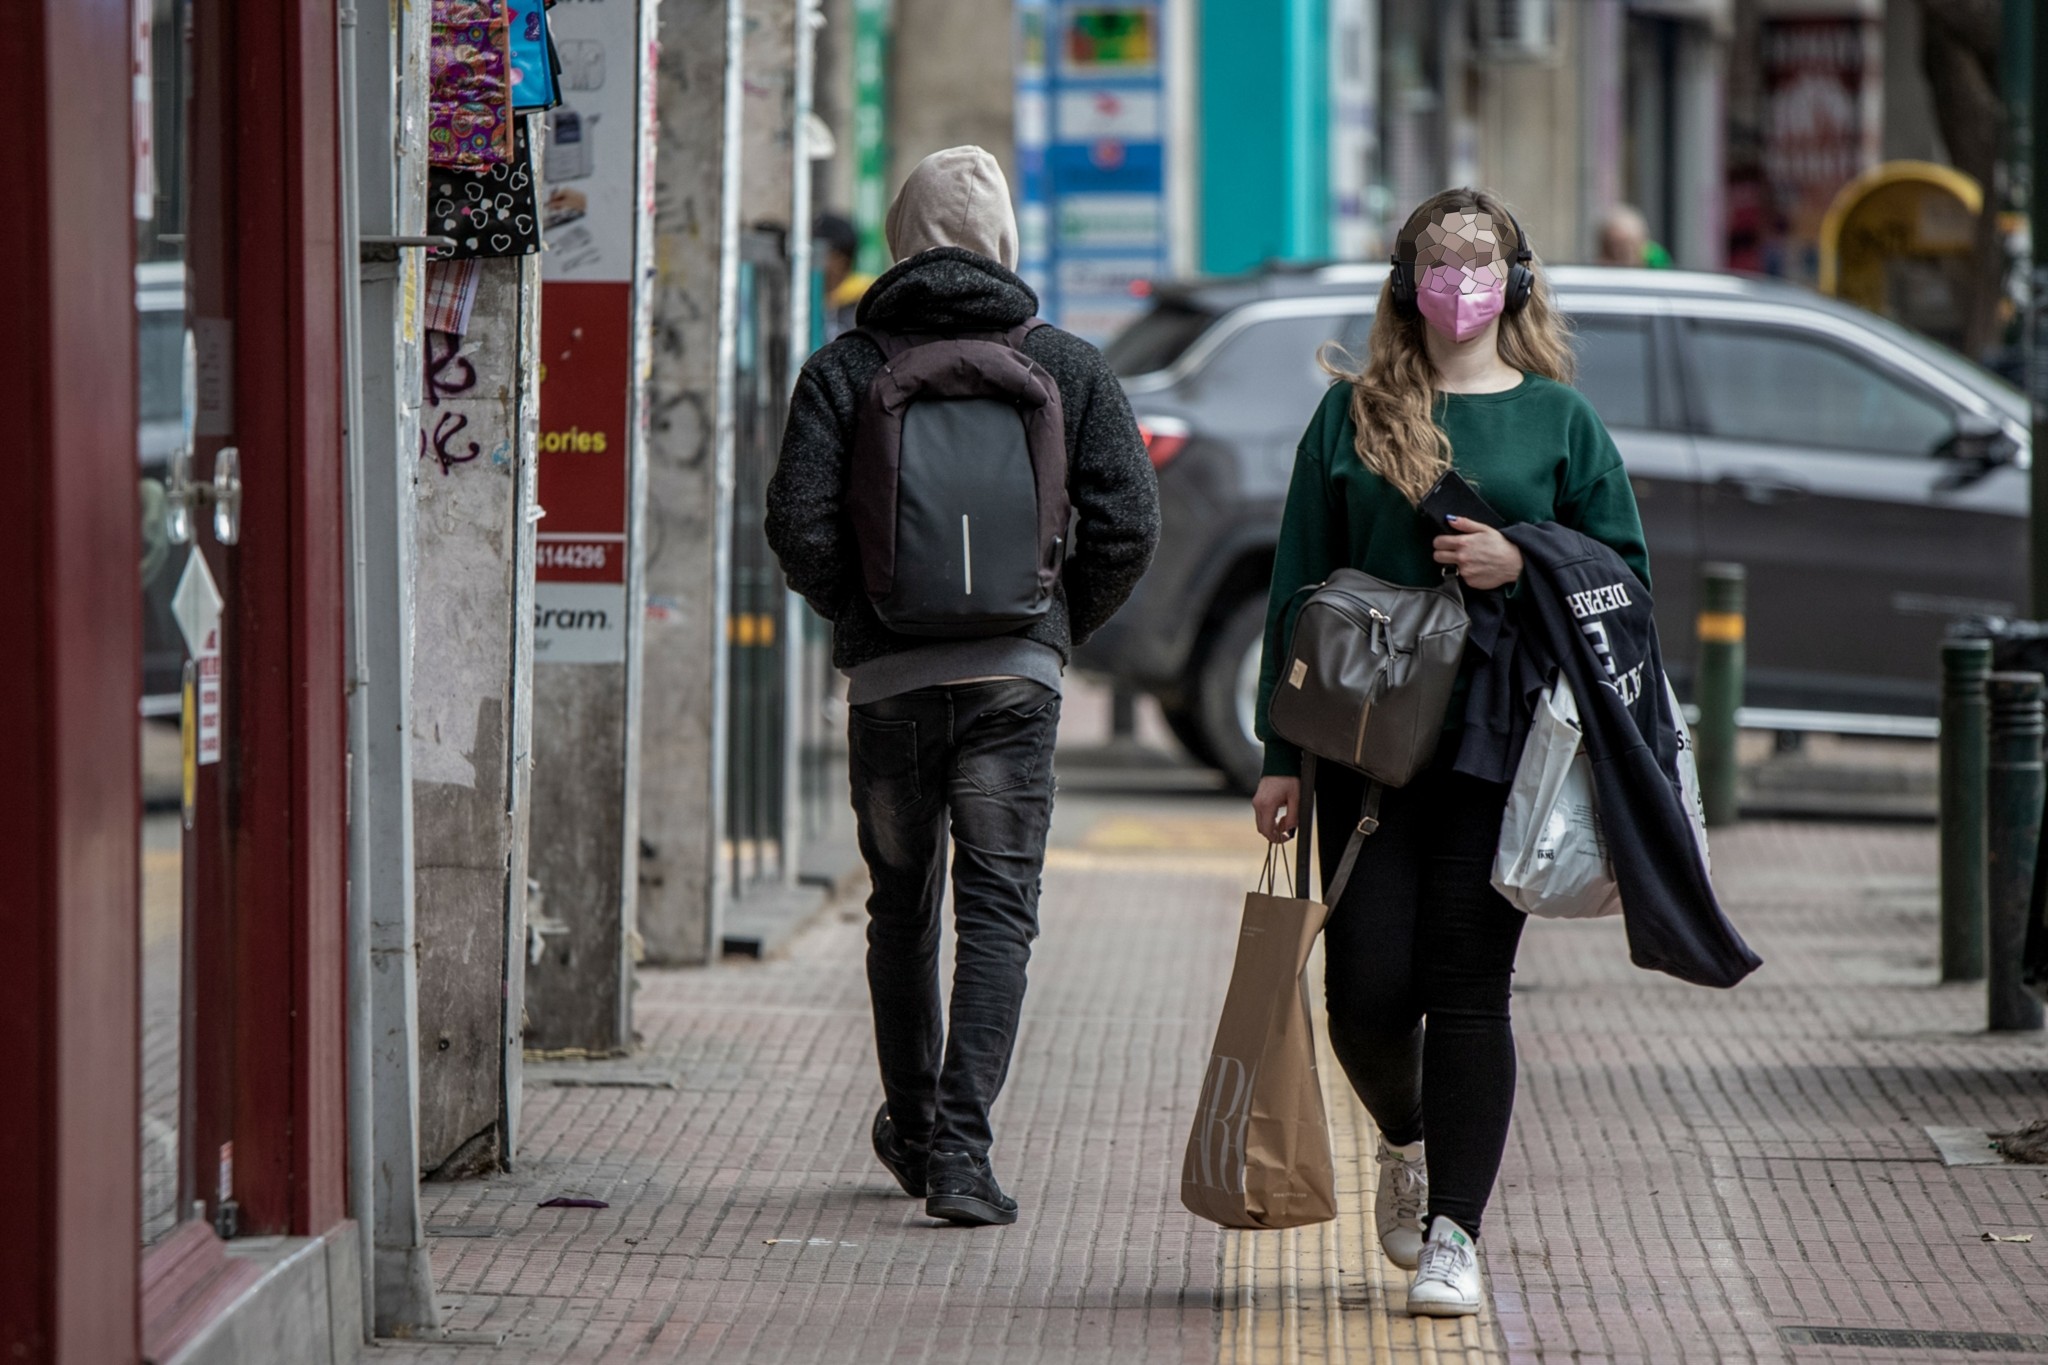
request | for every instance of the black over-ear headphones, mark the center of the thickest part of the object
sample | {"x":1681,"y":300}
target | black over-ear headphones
{"x":1521,"y":276}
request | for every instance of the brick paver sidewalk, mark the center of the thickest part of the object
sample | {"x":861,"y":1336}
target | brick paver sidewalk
{"x":1691,"y":1172}
{"x":750,"y":1221}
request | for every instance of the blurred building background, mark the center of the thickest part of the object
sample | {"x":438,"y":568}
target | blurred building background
{"x":1169,"y":137}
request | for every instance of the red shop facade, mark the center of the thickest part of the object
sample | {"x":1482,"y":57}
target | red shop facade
{"x":253,"y":1141}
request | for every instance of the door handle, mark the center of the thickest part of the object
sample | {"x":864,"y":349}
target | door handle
{"x":185,"y":495}
{"x":1765,"y":490}
{"x":227,"y":495}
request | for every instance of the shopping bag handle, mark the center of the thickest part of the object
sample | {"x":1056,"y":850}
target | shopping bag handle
{"x":1269,"y":884}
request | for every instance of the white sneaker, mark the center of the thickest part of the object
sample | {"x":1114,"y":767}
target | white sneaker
{"x":1446,"y":1283}
{"x":1404,"y":1190}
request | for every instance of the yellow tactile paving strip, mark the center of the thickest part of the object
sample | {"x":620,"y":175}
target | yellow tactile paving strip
{"x":1324,"y":1293}
{"x":1316,"y":1294}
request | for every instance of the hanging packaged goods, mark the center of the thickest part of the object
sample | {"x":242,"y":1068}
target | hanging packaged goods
{"x":470,"y":105}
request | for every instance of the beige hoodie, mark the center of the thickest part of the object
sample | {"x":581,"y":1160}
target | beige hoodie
{"x":957,"y":197}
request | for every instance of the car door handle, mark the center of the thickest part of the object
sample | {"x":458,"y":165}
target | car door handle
{"x":1765,"y":490}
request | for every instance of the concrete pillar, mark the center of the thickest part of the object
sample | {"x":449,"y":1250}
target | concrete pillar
{"x":587,"y":632}
{"x":1530,"y":148}
{"x":767,"y":122}
{"x":689,"y":478}
{"x":1597,"y":39}
{"x":389,"y":92}
{"x":472,"y":718}
{"x":951,"y":81}
{"x":833,"y":100}
{"x":1699,"y":238}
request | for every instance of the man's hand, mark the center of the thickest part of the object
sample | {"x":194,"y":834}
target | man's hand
{"x":1483,"y":557}
{"x":1277,"y":807}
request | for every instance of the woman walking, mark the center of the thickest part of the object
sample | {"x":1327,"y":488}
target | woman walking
{"x":1468,"y":367}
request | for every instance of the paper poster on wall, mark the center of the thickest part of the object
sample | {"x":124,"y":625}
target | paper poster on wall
{"x":589,"y":197}
{"x":579,"y":623}
{"x":587,"y":191}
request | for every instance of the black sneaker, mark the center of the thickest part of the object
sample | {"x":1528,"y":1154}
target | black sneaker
{"x":905,"y":1162}
{"x":963,"y":1189}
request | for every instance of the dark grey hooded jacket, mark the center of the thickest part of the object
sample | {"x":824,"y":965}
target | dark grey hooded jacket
{"x":1109,"y":476}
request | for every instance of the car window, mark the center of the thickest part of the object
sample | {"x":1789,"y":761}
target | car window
{"x":1272,"y":363}
{"x":1156,"y":339}
{"x":1614,"y":368}
{"x":1772,"y":384}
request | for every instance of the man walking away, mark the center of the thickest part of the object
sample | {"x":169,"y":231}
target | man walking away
{"x":963,"y":493}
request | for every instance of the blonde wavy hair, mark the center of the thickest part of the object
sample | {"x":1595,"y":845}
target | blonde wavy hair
{"x":1393,"y":393}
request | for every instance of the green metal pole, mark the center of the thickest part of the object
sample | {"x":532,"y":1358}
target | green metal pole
{"x":1965,"y":740}
{"x":1718,"y":687}
{"x":871,"y":132}
{"x":2014,"y":794}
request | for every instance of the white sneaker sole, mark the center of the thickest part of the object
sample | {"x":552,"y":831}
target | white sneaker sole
{"x":1442,"y":1308}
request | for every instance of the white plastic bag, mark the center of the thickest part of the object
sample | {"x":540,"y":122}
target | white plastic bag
{"x":1552,"y":859}
{"x":1689,"y":778}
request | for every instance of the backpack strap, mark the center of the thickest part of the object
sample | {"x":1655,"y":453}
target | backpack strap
{"x":1368,"y":825}
{"x":890,"y":344}
{"x":1015,"y":336}
{"x":894,"y":344}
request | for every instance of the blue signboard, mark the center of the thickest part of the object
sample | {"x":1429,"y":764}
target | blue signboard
{"x":1091,"y":148}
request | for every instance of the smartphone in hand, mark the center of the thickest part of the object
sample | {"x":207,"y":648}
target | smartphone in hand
{"x":1451,"y":497}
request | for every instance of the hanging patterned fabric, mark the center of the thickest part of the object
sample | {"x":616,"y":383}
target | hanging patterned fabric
{"x":470,"y":113}
{"x":489,"y":212}
{"x":533,"y":57}
{"x":451,"y":294}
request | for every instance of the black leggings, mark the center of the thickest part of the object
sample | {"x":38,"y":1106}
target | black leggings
{"x":1421,"y":932}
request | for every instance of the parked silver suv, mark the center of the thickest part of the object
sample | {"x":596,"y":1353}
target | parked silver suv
{"x":1872,"y":482}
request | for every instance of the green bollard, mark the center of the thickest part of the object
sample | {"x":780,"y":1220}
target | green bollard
{"x":2014,"y":791}
{"x":1718,"y":687}
{"x":1965,"y":736}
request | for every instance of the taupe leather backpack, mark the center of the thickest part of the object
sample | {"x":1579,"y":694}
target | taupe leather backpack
{"x":1368,"y":679}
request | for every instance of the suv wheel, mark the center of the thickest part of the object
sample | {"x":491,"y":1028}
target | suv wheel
{"x":1227,"y":693}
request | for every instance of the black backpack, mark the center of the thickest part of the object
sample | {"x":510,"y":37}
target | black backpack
{"x":958,"y":487}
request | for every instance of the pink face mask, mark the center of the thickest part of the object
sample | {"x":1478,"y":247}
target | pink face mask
{"x":1459,"y":300}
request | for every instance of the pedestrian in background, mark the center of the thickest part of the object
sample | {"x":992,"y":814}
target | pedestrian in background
{"x":1468,"y":366}
{"x":844,"y":285}
{"x":1625,"y":240}
{"x":954,"y":735}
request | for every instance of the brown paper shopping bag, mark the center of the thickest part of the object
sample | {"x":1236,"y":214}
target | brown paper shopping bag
{"x":1259,"y":1153}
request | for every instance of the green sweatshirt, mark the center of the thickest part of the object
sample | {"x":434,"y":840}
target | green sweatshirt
{"x":1536,"y":452}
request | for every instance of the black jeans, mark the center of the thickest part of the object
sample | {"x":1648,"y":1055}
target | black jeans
{"x":981,"y":753}
{"x":1421,"y":933}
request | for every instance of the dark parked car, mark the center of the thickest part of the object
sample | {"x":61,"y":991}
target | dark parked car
{"x":1872,"y":482}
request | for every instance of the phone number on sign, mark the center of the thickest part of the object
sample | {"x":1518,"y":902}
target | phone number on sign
{"x":573,"y":555}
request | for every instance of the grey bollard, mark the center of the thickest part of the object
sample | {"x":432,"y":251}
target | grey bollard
{"x":1964,"y":733}
{"x":2013,"y":797}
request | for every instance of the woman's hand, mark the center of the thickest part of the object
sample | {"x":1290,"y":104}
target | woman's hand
{"x":1483,"y":557}
{"x":1277,"y":807}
